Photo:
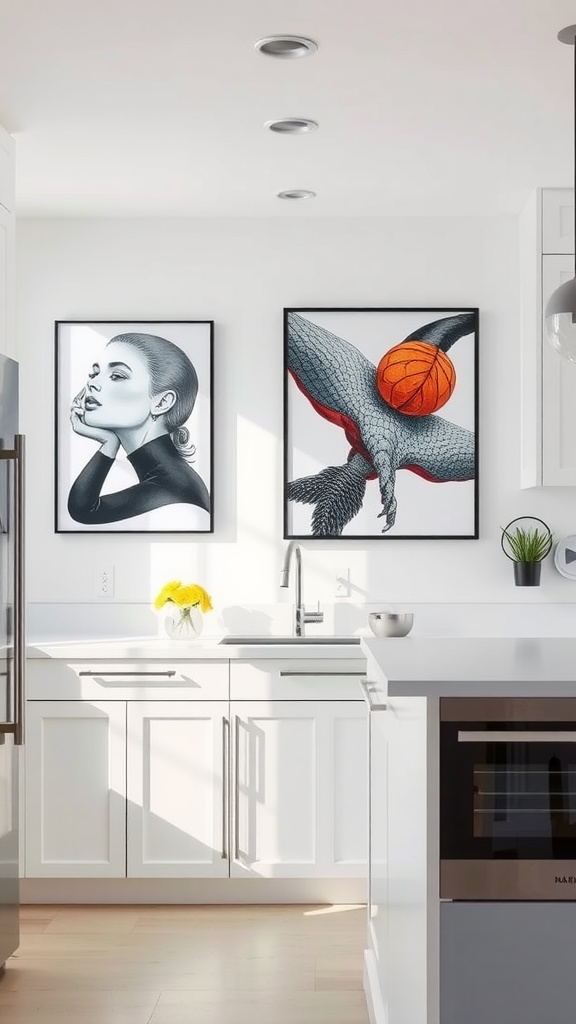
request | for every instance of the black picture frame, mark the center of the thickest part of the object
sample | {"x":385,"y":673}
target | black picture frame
{"x":161,"y":478}
{"x":358,"y":416}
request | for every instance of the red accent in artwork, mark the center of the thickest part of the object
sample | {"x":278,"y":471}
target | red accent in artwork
{"x":340,"y":420}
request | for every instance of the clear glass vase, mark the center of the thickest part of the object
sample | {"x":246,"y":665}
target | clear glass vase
{"x":184,"y":623}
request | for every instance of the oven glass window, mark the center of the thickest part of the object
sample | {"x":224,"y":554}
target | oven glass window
{"x":502,"y":799}
{"x":514,"y":800}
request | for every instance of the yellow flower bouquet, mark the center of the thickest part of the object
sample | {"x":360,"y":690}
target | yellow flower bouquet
{"x":186,"y":602}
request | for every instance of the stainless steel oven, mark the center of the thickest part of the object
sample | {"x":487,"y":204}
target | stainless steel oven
{"x":508,"y":798}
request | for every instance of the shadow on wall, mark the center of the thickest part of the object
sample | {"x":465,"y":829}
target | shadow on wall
{"x":249,"y":623}
{"x":349,"y":618}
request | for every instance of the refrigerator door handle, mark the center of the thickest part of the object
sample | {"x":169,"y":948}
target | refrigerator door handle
{"x":16,"y":455}
{"x":19,"y":602}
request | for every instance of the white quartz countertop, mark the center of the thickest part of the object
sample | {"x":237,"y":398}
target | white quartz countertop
{"x":209,"y":648}
{"x":468,"y":666}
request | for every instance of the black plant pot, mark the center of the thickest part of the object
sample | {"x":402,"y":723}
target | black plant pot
{"x":527,"y":574}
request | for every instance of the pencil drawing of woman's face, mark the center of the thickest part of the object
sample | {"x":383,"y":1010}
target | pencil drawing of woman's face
{"x":118,"y":389}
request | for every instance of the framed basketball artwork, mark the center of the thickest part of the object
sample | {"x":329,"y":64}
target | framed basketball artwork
{"x":381,"y":423}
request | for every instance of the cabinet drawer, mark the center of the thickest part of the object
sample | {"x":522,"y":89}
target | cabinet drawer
{"x":296,"y":680}
{"x":127,"y":680}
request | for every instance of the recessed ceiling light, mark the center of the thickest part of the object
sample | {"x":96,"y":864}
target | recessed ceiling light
{"x":292,"y":125}
{"x":286,"y":47}
{"x":296,"y":193}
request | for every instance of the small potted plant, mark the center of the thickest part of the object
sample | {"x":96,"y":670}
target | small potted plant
{"x":527,"y":545}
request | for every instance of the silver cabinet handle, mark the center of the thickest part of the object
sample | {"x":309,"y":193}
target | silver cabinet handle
{"x":368,"y":695}
{"x":138,"y":674}
{"x":497,"y":736}
{"x":313,"y":675}
{"x":236,"y":787}
{"x":225,"y":755}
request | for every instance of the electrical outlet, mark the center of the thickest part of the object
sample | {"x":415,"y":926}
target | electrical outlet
{"x":342,"y":583}
{"x":104,"y":581}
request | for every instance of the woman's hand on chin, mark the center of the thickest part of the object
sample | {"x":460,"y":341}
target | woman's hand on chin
{"x":107,"y":438}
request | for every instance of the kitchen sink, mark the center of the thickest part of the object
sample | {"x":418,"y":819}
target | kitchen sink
{"x":282,"y":641}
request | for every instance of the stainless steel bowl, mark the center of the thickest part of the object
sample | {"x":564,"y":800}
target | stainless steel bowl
{"x":390,"y":623}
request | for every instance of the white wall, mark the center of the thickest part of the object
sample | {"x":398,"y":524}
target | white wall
{"x":241,"y":273}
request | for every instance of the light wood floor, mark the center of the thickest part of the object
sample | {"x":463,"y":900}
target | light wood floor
{"x":187,"y":965}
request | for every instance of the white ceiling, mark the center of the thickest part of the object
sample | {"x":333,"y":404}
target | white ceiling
{"x":157,"y":107}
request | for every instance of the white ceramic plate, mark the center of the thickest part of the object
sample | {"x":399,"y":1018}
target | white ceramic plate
{"x":565,"y":556}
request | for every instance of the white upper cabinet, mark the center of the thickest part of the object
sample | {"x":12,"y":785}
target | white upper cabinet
{"x":557,"y":206}
{"x":558,"y":391}
{"x":7,"y":343}
{"x":548,"y":406}
{"x":7,"y":252}
{"x":7,"y":174}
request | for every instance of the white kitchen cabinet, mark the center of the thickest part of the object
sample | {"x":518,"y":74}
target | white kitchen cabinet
{"x":380,"y":724}
{"x":7,"y":252}
{"x":177,"y":788}
{"x":7,"y":171}
{"x":548,"y":380}
{"x":557,"y":214}
{"x":196,"y":770}
{"x":79,"y":820}
{"x":76,"y":789}
{"x":299,"y":786}
{"x":6,"y":282}
{"x":558,"y":391}
{"x":299,"y":779}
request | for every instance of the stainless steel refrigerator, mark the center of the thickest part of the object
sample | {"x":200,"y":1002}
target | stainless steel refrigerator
{"x":12,"y":649}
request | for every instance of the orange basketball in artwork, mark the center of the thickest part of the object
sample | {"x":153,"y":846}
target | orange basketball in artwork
{"x":415,"y":378}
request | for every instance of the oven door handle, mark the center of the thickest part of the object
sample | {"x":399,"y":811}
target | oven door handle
{"x":531,"y":736}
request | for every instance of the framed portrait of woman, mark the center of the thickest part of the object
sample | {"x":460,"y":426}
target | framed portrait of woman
{"x":133,"y":431}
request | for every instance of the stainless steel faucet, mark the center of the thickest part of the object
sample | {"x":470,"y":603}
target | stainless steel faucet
{"x":301,"y":617}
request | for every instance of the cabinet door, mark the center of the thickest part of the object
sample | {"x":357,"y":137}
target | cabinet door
{"x":76,"y":789}
{"x":557,"y":220}
{"x":380,"y":722}
{"x":7,"y":343}
{"x":177,"y":789}
{"x":558,"y":390}
{"x":7,"y":171}
{"x":299,"y":789}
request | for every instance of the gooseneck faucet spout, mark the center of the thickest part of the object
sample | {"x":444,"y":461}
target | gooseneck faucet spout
{"x":301,"y":617}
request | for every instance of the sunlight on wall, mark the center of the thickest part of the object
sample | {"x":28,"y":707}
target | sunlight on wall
{"x":181,"y":560}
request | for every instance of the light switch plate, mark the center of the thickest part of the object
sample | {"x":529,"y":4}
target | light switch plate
{"x":104,"y":581}
{"x":342,"y":583}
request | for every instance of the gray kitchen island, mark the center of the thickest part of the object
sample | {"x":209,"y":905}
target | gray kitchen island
{"x":472,"y":830}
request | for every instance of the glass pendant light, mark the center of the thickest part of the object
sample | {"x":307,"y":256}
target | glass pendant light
{"x":561,"y":306}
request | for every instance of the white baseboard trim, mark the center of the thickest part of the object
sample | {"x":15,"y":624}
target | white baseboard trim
{"x":374,"y":1000}
{"x":194,"y":890}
